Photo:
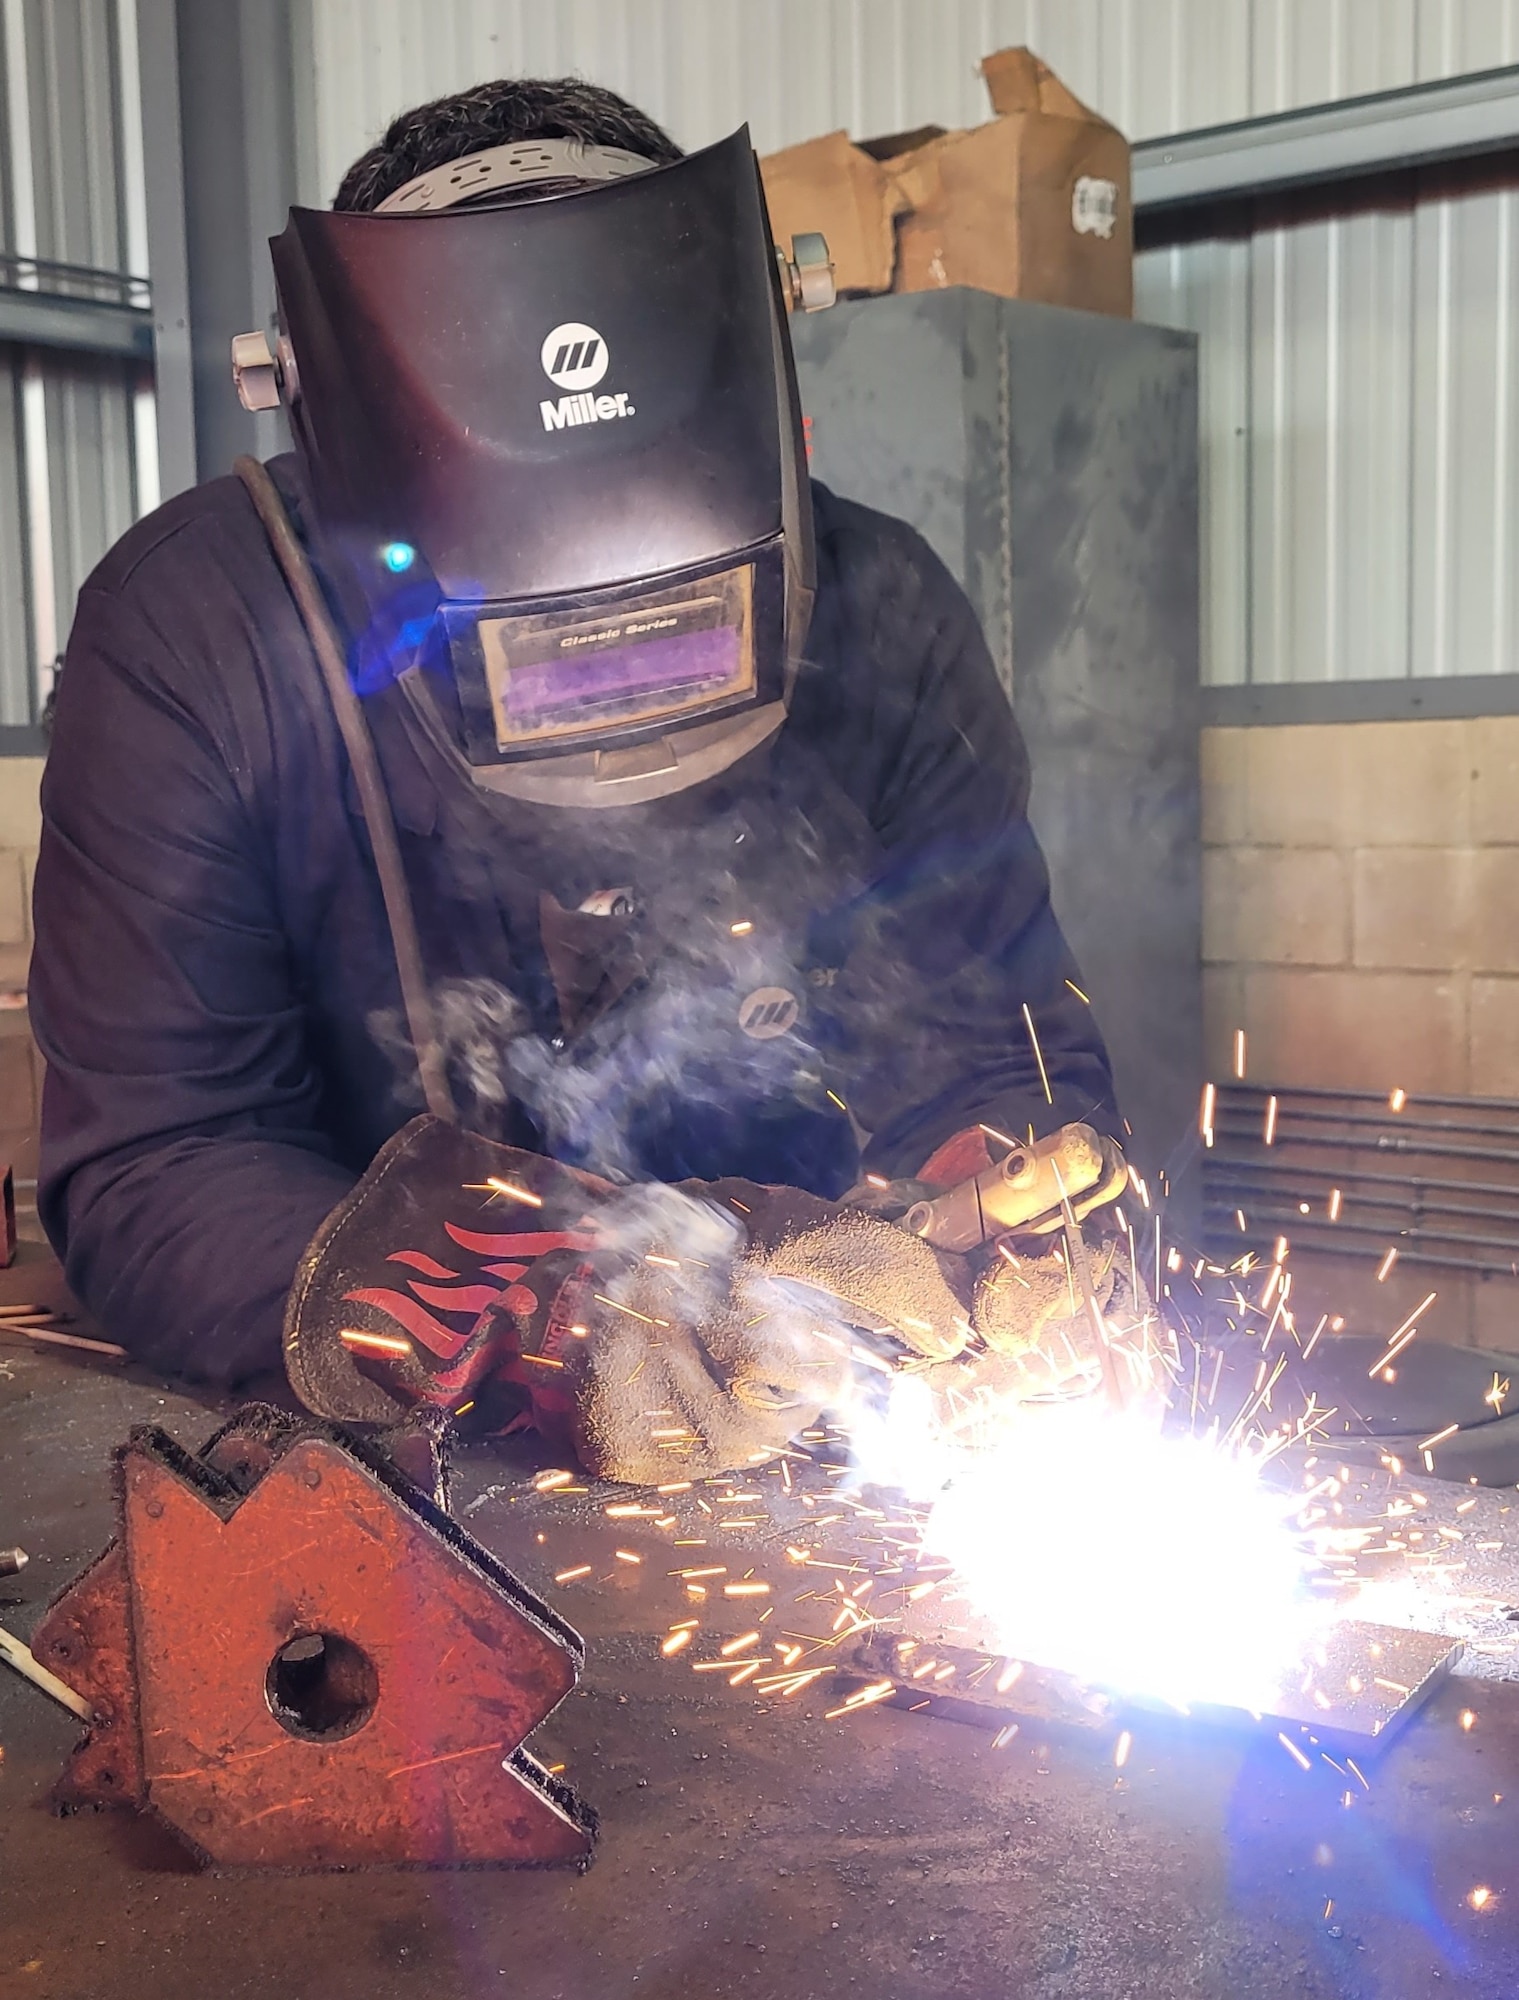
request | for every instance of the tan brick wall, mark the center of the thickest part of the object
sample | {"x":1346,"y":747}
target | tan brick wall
{"x":20,"y":1069}
{"x":1361,"y":924}
{"x":1361,"y":903}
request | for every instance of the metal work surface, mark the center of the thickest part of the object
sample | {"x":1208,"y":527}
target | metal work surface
{"x":750,"y":1846}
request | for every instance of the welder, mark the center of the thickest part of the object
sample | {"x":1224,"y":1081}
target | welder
{"x":536,"y":749}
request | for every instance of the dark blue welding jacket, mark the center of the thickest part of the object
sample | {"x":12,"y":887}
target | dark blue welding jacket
{"x":814,"y":964}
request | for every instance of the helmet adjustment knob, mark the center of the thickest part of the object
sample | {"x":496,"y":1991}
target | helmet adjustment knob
{"x":807,"y":274}
{"x":255,"y":372}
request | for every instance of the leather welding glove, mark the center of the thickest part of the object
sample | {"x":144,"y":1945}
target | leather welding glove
{"x":490,"y":1282}
{"x":1028,"y":1288}
{"x":1038,"y":1336}
{"x":854,"y":1266}
{"x":672,"y":1368}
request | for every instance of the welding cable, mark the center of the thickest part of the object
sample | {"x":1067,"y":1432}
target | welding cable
{"x":314,"y":615}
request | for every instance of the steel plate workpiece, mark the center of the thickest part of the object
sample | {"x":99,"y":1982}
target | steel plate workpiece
{"x":1352,"y":1691}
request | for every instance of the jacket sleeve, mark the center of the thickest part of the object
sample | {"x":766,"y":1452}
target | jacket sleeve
{"x":183,"y":1165}
{"x":957,"y":999}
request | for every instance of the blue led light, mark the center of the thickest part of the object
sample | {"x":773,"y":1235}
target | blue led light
{"x":398,"y":557}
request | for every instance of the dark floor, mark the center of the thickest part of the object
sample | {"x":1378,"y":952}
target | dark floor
{"x":759,"y":1850}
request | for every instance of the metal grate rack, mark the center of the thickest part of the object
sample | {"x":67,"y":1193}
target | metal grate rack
{"x":1438,"y":1177}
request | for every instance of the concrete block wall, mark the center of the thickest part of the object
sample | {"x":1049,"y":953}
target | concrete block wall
{"x":1361,"y":924}
{"x":20,"y":1068}
{"x":1361,"y":903}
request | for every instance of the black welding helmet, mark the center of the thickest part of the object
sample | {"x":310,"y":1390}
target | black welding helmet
{"x":557,"y":446}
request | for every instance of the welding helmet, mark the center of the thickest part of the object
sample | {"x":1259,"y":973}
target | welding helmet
{"x":554,"y":449}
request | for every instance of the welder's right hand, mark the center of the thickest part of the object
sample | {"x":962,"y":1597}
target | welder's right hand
{"x":1039,"y":1340}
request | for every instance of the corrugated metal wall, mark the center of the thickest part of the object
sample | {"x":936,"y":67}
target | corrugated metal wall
{"x":794,"y":68}
{"x":1359,"y":446}
{"x":74,"y":467}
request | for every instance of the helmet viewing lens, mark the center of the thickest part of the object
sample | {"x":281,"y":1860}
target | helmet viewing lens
{"x":665,"y":656}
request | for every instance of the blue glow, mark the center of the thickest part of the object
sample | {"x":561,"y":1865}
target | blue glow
{"x":398,"y":557}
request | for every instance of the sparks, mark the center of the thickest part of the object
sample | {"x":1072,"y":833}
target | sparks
{"x":617,"y":1306}
{"x":374,"y":1343}
{"x":1429,"y":1443}
{"x":1028,"y":1022}
{"x":863,"y":1697}
{"x":1205,"y":1114}
{"x":514,"y":1193}
{"x":1293,"y":1751}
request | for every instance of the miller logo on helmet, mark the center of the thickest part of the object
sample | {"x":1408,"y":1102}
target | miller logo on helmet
{"x":575,"y":358}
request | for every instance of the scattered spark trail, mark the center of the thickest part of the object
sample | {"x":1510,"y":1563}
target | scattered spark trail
{"x":1164,"y":1552}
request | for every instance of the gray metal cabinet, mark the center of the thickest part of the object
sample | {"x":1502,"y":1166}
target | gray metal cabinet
{"x":1050,"y":458}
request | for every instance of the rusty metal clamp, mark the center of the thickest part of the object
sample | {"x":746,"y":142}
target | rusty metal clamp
{"x":296,"y":1659}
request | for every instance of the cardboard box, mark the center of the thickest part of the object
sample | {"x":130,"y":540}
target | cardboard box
{"x":1035,"y":204}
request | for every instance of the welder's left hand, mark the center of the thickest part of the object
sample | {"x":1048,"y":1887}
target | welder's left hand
{"x":731,"y":1307}
{"x":852,"y":1267}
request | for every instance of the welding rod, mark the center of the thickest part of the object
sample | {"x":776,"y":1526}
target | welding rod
{"x":49,"y":1338}
{"x":1076,"y":1250}
{"x":30,"y":1668}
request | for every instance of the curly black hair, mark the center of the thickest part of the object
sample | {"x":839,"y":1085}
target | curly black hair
{"x":499,"y":114}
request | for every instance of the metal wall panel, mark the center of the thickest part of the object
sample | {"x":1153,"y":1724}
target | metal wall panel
{"x":794,"y":68}
{"x":75,"y":132}
{"x":90,"y":425}
{"x":76,"y":433}
{"x":1360,"y":452}
{"x":15,"y":626}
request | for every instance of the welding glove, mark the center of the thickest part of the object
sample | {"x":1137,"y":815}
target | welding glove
{"x":1040,"y":1346}
{"x":654,"y":1330}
